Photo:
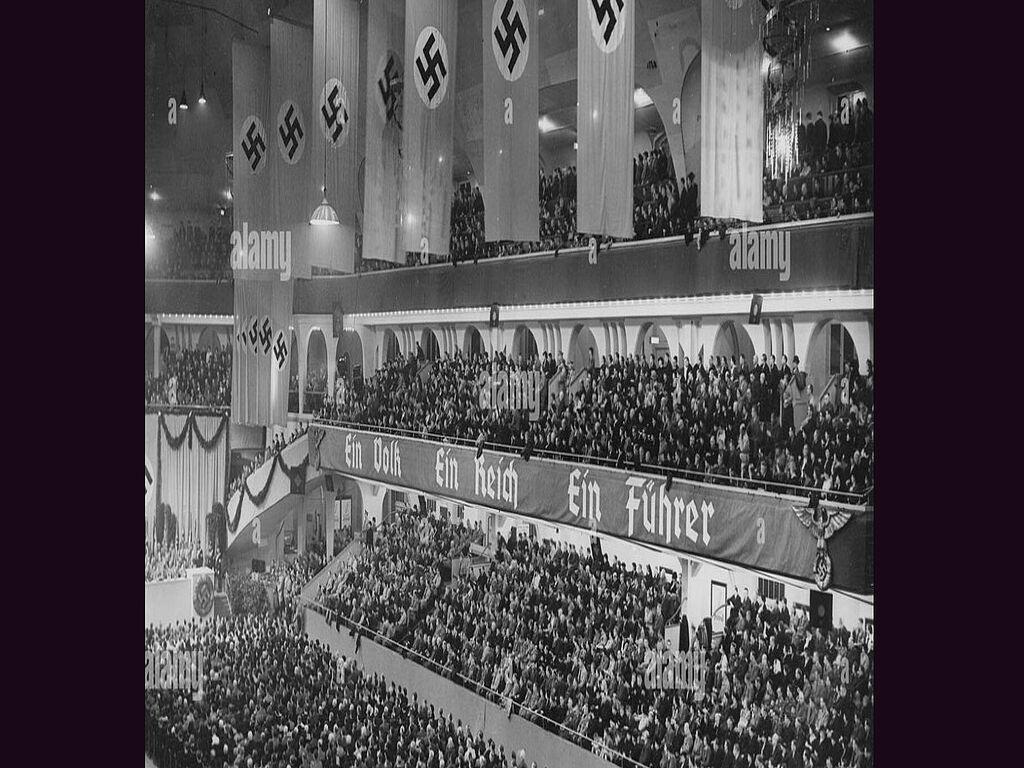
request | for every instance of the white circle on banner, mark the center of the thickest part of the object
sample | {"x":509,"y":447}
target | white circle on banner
{"x":291,"y":132}
{"x":150,"y":481}
{"x":607,"y":22}
{"x":431,"y":71}
{"x":334,"y":115}
{"x":252,"y":143}
{"x":510,"y":37}
{"x":388,"y":90}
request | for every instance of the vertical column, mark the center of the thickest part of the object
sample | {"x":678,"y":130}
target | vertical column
{"x":777,"y":345}
{"x":156,"y":345}
{"x":301,"y":340}
{"x":300,"y":526}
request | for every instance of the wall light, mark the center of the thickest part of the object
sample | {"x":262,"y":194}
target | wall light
{"x":641,"y":99}
{"x":844,"y":41}
{"x":546,"y":124}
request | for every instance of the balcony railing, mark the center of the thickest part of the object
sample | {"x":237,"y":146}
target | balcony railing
{"x":855,"y":499}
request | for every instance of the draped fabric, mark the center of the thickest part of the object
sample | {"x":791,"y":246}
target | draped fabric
{"x":192,"y":474}
{"x":335,"y":98}
{"x":259,"y":380}
{"x":151,"y":472}
{"x":732,"y":110}
{"x":510,"y":56}
{"x":253,"y":145}
{"x":295,"y":188}
{"x":385,"y":35}
{"x":427,"y":120}
{"x":604,"y":186}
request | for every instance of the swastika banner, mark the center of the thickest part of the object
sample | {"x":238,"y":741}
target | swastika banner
{"x":732,"y":110}
{"x":336,"y":135}
{"x":385,"y":37}
{"x":259,"y":381}
{"x":604,"y":182}
{"x":427,"y":120}
{"x":252,"y":143}
{"x":510,"y":56}
{"x":296,"y":188}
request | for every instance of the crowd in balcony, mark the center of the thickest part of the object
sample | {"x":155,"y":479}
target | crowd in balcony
{"x":191,"y":377}
{"x":721,"y":420}
{"x":278,"y":444}
{"x":193,"y":252}
{"x":171,"y":560}
{"x":274,"y":697}
{"x":568,"y":641}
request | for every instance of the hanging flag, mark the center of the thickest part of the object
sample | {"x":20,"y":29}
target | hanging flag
{"x":252,"y":145}
{"x":732,"y":110}
{"x":511,"y":178}
{"x":335,"y":139}
{"x":427,"y":118}
{"x":259,"y":381}
{"x":604,"y":185}
{"x":385,"y":35}
{"x":295,"y":189}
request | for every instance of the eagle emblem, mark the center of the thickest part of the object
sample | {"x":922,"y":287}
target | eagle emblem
{"x":823,"y":524}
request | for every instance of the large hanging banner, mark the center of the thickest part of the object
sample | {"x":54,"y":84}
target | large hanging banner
{"x":510,"y":56}
{"x":295,"y":189}
{"x":253,"y":147}
{"x":385,"y":35}
{"x":732,"y":110}
{"x":151,"y":469}
{"x":427,"y":120}
{"x":335,"y":137}
{"x":604,"y":119}
{"x":774,"y":533}
{"x":192,"y":453}
{"x":259,"y":380}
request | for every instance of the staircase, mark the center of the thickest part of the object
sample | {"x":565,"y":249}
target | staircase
{"x":221,"y":606}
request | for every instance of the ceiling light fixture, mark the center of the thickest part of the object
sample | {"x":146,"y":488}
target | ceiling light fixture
{"x":546,"y":124}
{"x":183,"y":104}
{"x":324,"y":214}
{"x":641,"y":99}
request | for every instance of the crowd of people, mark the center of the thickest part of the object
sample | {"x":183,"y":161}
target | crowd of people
{"x":194,"y":252}
{"x":278,"y":444}
{"x":273,"y":697}
{"x":721,"y":420}
{"x":166,"y":561}
{"x":568,"y":640}
{"x":194,"y":377}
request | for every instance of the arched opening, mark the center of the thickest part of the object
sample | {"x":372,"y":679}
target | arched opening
{"x":348,"y":354}
{"x":391,"y":349}
{"x":428,"y":342}
{"x":524,"y":345}
{"x":582,"y":348}
{"x":830,"y":348}
{"x":293,"y":375}
{"x":653,"y":341}
{"x":208,"y":339}
{"x":150,"y":340}
{"x":732,"y":340}
{"x":316,"y":371}
{"x":473,"y":344}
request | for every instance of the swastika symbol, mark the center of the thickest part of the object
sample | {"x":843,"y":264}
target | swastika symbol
{"x":254,"y":142}
{"x":150,"y":481}
{"x":334,"y":110}
{"x":254,"y":330}
{"x":289,"y":129}
{"x":266,"y":334}
{"x":610,"y":10}
{"x":432,"y":67}
{"x":387,"y":85}
{"x":280,"y":350}
{"x":509,"y":32}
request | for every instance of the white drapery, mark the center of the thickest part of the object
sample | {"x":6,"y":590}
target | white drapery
{"x":192,"y":477}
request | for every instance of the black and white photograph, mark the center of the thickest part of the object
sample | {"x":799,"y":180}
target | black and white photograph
{"x":509,"y":384}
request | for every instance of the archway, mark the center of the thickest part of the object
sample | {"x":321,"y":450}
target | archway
{"x":653,"y":341}
{"x":391,"y":349}
{"x":348,"y":354}
{"x":582,"y":348}
{"x":428,"y":342}
{"x":473,"y":343}
{"x":164,"y":346}
{"x":830,"y":347}
{"x":732,"y":340}
{"x":524,"y":344}
{"x":316,"y":370}
{"x":208,"y":339}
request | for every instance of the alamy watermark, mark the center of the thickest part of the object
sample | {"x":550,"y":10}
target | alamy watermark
{"x":676,"y":670}
{"x":516,"y":391}
{"x":175,"y":670}
{"x":262,"y":250}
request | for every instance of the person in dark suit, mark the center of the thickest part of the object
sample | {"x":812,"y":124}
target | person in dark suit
{"x":820,"y":136}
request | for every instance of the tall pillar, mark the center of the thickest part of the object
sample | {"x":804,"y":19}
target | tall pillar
{"x":300,"y":526}
{"x":777,"y":345}
{"x":156,"y":346}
